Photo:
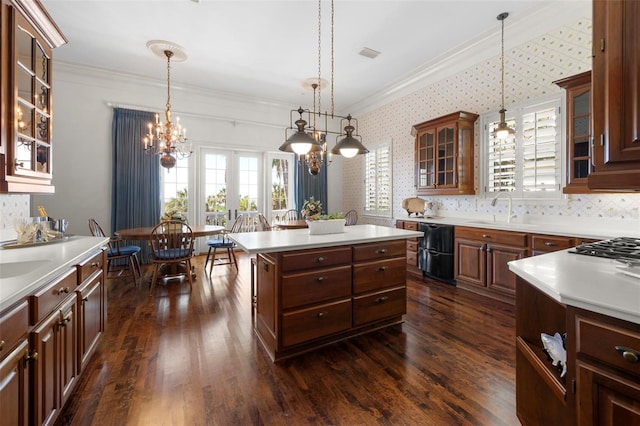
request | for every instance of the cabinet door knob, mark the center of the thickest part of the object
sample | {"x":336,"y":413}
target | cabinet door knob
{"x":320,"y":279}
{"x":381,"y":268}
{"x":628,"y":354}
{"x":85,"y":299}
{"x":30,"y":356}
{"x":322,"y":314}
{"x":381,"y":251}
{"x":95,"y":265}
{"x":320,"y":259}
{"x":486,"y":236}
{"x":382,"y":299}
{"x":63,"y":290}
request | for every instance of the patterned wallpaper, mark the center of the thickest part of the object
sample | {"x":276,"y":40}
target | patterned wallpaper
{"x":12,"y":207}
{"x":530,"y":70}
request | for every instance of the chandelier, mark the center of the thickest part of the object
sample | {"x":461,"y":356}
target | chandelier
{"x":503,"y":130}
{"x":309,"y":142}
{"x":167,"y":139}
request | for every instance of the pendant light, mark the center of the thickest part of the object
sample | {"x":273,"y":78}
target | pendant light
{"x":502,"y":131}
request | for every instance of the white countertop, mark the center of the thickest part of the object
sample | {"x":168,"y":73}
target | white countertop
{"x":23,"y":270}
{"x":583,"y":281}
{"x":597,"y":229}
{"x":299,"y":239}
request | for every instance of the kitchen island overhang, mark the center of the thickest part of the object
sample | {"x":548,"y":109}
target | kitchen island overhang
{"x":315,"y":290}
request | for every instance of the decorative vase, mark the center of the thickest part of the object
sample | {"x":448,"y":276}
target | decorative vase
{"x":326,"y":226}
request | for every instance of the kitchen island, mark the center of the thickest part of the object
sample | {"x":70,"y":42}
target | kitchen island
{"x":598,"y":307}
{"x":314,"y":290}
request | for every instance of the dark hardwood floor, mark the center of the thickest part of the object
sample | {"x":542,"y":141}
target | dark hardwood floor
{"x":184,"y":357}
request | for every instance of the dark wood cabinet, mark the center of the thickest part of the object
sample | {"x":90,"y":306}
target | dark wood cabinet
{"x":444,"y":155}
{"x":412,"y":247}
{"x":616,"y":95}
{"x":606,"y":353}
{"x":578,"y":112}
{"x":314,"y":297}
{"x":541,"y":244}
{"x":28,"y":37}
{"x":15,"y":357}
{"x":481,"y":257}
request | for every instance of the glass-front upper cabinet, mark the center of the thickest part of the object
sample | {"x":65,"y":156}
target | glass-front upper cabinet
{"x":579,"y":140}
{"x":444,"y":155}
{"x":29,"y":35}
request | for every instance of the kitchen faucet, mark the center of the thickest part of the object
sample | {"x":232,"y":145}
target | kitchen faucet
{"x":495,"y":200}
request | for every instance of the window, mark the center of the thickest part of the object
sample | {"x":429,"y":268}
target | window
{"x":529,"y":163}
{"x":377,"y":180}
{"x":175,"y":182}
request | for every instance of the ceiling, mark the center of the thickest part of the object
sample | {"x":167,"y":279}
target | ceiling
{"x":265,"y":49}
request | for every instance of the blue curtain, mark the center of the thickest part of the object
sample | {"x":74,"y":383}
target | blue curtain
{"x":135,"y":198}
{"x":307,"y":186}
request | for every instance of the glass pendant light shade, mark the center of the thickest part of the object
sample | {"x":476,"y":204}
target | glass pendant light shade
{"x":349,"y":146}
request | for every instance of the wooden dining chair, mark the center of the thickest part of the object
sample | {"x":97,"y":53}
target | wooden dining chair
{"x":118,"y":251}
{"x":351,"y":218}
{"x":292,"y":214}
{"x":264,"y":223}
{"x":222,"y":241}
{"x":171,"y":243}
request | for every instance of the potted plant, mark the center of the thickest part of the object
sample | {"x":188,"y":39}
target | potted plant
{"x":319,"y":223}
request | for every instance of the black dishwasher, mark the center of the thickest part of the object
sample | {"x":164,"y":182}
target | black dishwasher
{"x":435,"y":254}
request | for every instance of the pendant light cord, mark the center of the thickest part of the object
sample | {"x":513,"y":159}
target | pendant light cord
{"x":502,"y":18}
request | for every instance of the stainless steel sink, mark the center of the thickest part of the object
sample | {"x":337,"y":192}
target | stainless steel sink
{"x":15,"y":269}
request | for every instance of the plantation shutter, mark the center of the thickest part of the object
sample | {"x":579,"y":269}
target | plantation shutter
{"x":540,"y":145}
{"x":378,"y":182}
{"x":501,"y":158}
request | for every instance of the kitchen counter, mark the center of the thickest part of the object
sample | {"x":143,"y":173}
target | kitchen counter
{"x":571,"y":227}
{"x":23,"y":270}
{"x":299,"y":239}
{"x":587,"y":282}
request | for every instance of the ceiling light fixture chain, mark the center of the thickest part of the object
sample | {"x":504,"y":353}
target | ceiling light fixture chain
{"x":166,"y":139}
{"x":310,"y":143}
{"x":503,"y":130}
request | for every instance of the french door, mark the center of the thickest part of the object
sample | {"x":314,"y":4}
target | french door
{"x":230,"y":185}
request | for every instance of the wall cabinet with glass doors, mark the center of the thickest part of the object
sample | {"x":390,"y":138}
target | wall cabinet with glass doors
{"x":578,"y":90}
{"x":28,"y":37}
{"x":444,"y":155}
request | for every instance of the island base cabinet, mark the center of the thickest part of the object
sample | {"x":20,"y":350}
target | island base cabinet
{"x":380,"y":305}
{"x":14,"y":373}
{"x":265,"y":324}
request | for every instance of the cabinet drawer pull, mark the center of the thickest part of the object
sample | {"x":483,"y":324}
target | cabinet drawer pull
{"x":85,"y":299}
{"x":30,"y":356}
{"x":382,"y":299}
{"x":63,"y":290}
{"x":486,"y":236}
{"x":549,"y":244}
{"x":2,"y":342}
{"x":381,"y":268}
{"x":95,"y":265}
{"x":64,"y":320}
{"x":322,"y":314}
{"x":320,"y":279}
{"x":628,"y":354}
{"x":320,"y":259}
{"x":381,"y":251}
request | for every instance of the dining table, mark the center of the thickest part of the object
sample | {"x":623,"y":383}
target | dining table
{"x":144,"y":233}
{"x":291,"y":224}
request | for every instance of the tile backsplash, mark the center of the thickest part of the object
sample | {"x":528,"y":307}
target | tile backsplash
{"x":12,"y":207}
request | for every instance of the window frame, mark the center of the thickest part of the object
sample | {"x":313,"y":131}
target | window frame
{"x":515,"y":114}
{"x":373,"y":150}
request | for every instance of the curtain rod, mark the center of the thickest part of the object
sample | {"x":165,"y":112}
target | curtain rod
{"x":231,"y":120}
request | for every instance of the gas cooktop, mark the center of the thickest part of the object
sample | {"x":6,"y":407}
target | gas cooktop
{"x":622,"y":248}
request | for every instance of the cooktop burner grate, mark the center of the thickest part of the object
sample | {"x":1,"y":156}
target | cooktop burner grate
{"x":616,"y":248}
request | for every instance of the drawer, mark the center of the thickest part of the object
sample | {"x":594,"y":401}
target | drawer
{"x":380,"y":305}
{"x":89,"y":266}
{"x":518,"y":239}
{"x":549,"y":243}
{"x":413,"y":226}
{"x":315,"y":322}
{"x":308,"y":259}
{"x":379,"y":250}
{"x":380,"y":274}
{"x":598,"y":339}
{"x":45,"y":300}
{"x":412,"y":258}
{"x":14,"y":324}
{"x":316,"y":286}
{"x":412,"y":245}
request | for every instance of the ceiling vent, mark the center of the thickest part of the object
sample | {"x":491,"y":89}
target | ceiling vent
{"x":369,"y":53}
